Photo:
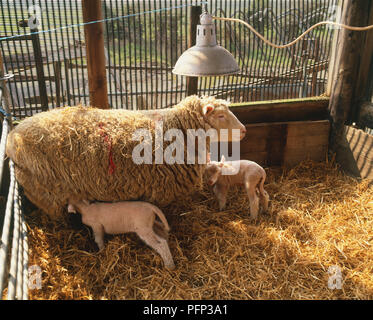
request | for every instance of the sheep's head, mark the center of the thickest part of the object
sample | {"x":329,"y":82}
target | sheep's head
{"x":217,"y":114}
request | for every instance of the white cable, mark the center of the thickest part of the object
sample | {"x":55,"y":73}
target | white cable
{"x":283,"y":46}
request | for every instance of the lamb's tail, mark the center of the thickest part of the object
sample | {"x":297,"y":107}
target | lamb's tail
{"x":161,"y":216}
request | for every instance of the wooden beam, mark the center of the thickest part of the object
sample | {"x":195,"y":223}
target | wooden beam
{"x":94,"y":39}
{"x":195,"y":12}
{"x":346,"y":69}
{"x":280,"y":110}
{"x":365,"y":76}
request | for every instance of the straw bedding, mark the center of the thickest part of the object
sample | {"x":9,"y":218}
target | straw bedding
{"x":318,"y":218}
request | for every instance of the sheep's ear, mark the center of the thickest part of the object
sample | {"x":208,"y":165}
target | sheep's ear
{"x":208,"y":158}
{"x":86,"y":202}
{"x":222,"y":159}
{"x":207,"y":109}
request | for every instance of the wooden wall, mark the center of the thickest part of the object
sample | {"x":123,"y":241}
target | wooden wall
{"x":284,"y":133}
{"x":286,"y":143}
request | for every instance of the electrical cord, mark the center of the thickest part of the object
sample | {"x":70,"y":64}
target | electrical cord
{"x":283,"y":46}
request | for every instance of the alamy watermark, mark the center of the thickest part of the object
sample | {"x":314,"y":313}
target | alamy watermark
{"x":174,"y":153}
{"x":34,"y":20}
{"x":335,"y":278}
{"x":34,"y":277}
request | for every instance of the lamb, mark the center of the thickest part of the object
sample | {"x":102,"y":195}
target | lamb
{"x":123,"y":217}
{"x":87,"y":152}
{"x":222,"y":175}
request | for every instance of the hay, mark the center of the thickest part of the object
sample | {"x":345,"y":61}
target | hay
{"x":318,"y":218}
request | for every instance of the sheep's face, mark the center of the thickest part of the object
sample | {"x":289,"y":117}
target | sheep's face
{"x":218,"y":116}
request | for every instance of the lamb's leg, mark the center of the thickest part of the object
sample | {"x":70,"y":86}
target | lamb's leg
{"x":99,"y":233}
{"x":158,"y":244}
{"x":221,"y":194}
{"x":264,"y":199}
{"x":254,"y":200}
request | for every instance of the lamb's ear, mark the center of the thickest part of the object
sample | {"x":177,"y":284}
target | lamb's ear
{"x":222,"y":159}
{"x":208,"y":157}
{"x":86,"y":202}
{"x":207,"y":109}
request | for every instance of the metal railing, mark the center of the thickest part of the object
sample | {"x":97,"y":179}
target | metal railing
{"x":13,"y":246}
{"x":13,"y":241}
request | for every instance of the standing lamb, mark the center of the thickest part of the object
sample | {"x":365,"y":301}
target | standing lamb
{"x":87,"y":152}
{"x":123,"y":217}
{"x":249,"y":174}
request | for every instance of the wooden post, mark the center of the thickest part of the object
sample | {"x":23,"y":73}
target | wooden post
{"x":195,"y":12}
{"x":333,"y":57}
{"x":364,"y":91}
{"x":96,"y":62}
{"x":346,"y":70}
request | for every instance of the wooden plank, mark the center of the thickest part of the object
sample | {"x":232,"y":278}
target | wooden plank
{"x":282,"y":111}
{"x":286,"y":143}
{"x":94,"y":39}
{"x":306,"y":141}
{"x":195,"y":12}
{"x":258,"y":157}
{"x":294,"y":156}
{"x":355,"y":153}
{"x":360,"y":141}
{"x":365,"y":73}
{"x":310,"y":128}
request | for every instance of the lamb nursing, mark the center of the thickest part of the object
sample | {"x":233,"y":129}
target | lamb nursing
{"x":123,"y":217}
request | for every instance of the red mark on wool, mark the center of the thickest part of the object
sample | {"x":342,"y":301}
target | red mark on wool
{"x":109,"y":145}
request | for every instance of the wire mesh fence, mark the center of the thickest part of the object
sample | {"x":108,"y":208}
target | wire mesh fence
{"x":50,"y":67}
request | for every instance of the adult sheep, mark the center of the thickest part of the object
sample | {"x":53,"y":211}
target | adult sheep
{"x":87,"y":152}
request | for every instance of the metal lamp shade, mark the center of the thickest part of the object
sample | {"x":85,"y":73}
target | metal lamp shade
{"x":206,"y":61}
{"x":206,"y":58}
